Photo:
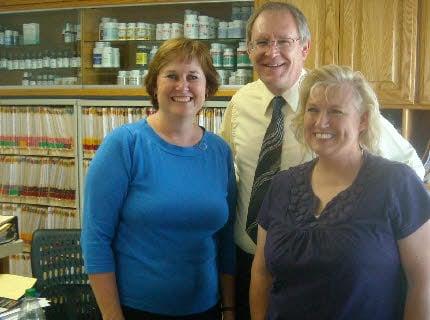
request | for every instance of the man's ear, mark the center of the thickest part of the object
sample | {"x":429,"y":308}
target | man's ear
{"x":364,"y":121}
{"x":305,"y":49}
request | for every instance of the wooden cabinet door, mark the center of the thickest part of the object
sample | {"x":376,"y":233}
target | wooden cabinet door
{"x":424,"y":54}
{"x":378,"y":38}
{"x":322,"y":16}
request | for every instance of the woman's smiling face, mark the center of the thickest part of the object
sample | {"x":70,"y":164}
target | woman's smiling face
{"x":181,"y":88}
{"x":333,"y":121}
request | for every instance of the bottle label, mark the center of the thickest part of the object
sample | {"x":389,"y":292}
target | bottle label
{"x":141,"y":58}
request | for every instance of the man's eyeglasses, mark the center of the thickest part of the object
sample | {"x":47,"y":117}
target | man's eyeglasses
{"x":264,"y":45}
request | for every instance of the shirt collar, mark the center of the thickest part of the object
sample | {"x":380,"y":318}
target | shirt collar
{"x":291,"y":95}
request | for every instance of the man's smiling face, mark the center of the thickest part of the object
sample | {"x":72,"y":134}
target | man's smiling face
{"x":278,"y":68}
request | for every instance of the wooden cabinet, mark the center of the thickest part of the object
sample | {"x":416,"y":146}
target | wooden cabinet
{"x":424,"y":54}
{"x":379,"y":39}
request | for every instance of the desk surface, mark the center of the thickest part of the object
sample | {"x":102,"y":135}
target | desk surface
{"x":10,"y":248}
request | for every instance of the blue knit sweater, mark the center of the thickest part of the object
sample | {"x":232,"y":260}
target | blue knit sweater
{"x":161,"y":217}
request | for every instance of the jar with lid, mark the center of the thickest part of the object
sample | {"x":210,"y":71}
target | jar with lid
{"x":66,"y":59}
{"x":131,"y":31}
{"x":216,"y":54}
{"x":27,"y":61}
{"x":59,"y":59}
{"x":191,"y":26}
{"x":222,"y":29}
{"x":204,"y":27}
{"x":177,"y":30}
{"x":140,"y":31}
{"x":121,"y":79}
{"x":228,"y":60}
{"x":241,"y":76}
{"x":39,"y":60}
{"x":15,"y":64}
{"x":46,"y":59}
{"x":110,"y":31}
{"x":142,"y":53}
{"x":25,"y":79}
{"x":134,"y":79}
{"x":242,"y":55}
{"x":122,"y":31}
{"x":107,"y":59}
{"x":103,"y":21}
{"x":115,"y":57}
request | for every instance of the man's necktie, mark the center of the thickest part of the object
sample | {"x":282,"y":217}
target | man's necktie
{"x":268,"y":165}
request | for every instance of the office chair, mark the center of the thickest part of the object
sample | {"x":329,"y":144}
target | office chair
{"x":56,"y":262}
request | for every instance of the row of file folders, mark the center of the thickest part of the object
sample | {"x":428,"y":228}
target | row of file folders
{"x":46,"y":130}
{"x":39,"y":180}
{"x":98,"y":122}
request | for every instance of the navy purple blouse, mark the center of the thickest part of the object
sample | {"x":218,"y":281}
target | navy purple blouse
{"x":345,"y":264}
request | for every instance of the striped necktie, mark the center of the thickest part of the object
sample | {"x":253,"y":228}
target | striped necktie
{"x":268,"y":165}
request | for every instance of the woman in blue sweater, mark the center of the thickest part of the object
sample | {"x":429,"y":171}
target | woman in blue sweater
{"x":159,"y":202}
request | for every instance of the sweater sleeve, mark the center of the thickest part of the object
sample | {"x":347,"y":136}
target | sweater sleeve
{"x":227,"y":249}
{"x":106,"y":187}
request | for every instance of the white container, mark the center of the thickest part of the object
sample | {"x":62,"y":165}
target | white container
{"x":107,"y":57}
{"x":134,"y":78}
{"x":115,"y":57}
{"x":121,"y":79}
{"x":122,"y":31}
{"x":78,"y":32}
{"x":212,"y":27}
{"x":140,"y":31}
{"x":30,"y":33}
{"x":97,"y":57}
{"x":110,"y":31}
{"x":228,"y":60}
{"x":103,"y":21}
{"x":177,"y":30}
{"x":191,"y":26}
{"x":223,"y":76}
{"x":131,"y":31}
{"x":222,"y":30}
{"x":216,"y":54}
{"x":204,"y":27}
{"x":242,"y":55}
{"x":66,"y":60}
{"x":232,"y":79}
{"x":159,"y":31}
{"x":8,"y":37}
{"x":241,"y":76}
{"x":165,"y":31}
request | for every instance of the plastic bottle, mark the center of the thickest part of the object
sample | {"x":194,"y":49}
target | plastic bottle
{"x":30,"y":307}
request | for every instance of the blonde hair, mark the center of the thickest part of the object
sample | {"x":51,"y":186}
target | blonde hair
{"x":330,"y":76}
